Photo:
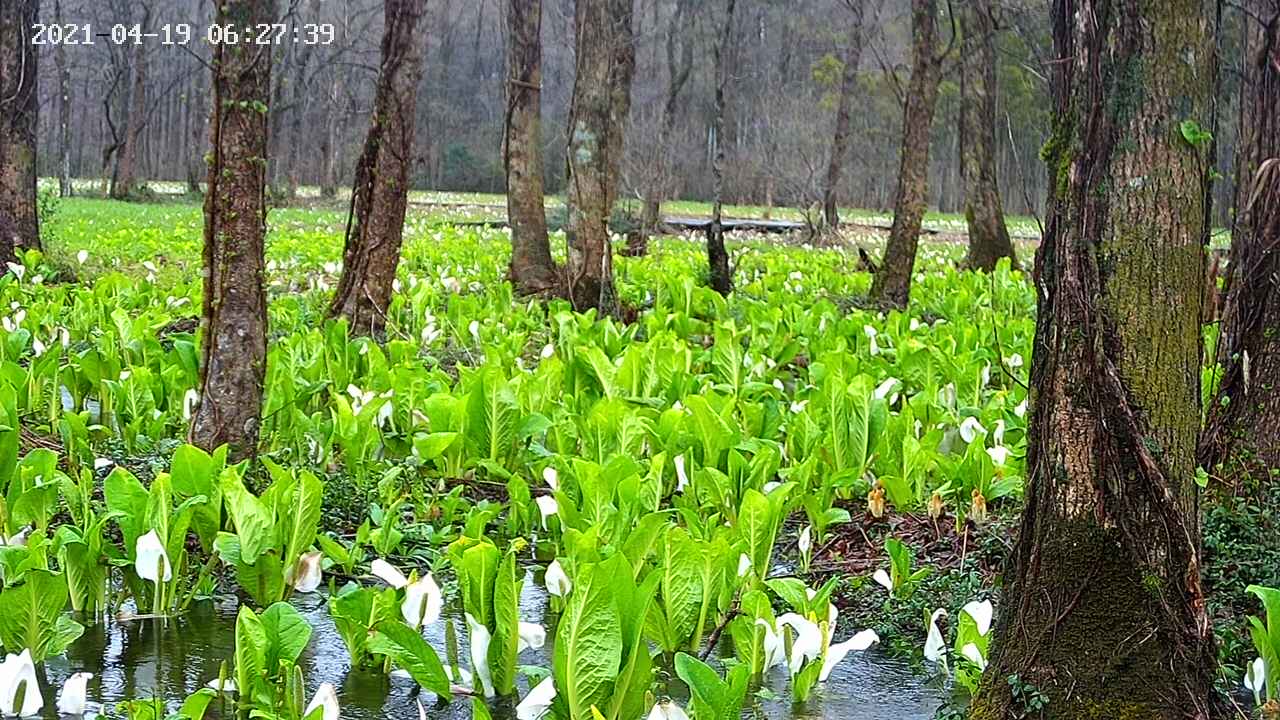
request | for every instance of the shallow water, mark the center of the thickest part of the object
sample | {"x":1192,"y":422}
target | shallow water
{"x":171,"y":659}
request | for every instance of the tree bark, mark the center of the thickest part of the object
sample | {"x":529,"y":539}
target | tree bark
{"x":199,"y":126}
{"x":19,"y":222}
{"x":598,"y":112}
{"x":1103,"y":610}
{"x":234,"y":317}
{"x":375,"y":226}
{"x":717,"y":256}
{"x":988,"y":235}
{"x":892,"y":285}
{"x":1241,"y":440}
{"x":122,"y":183}
{"x":64,"y":111}
{"x":532,"y":269}
{"x":679,"y":51}
{"x":844,"y":125}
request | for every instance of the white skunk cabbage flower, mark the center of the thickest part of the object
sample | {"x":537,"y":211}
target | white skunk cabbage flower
{"x":305,"y":575}
{"x":546,"y":507}
{"x":537,"y":703}
{"x":388,"y":574}
{"x":982,"y":613}
{"x":532,"y":637}
{"x":423,"y":602}
{"x":935,"y":650}
{"x":667,"y":710}
{"x":558,"y":582}
{"x":74,"y":697}
{"x":327,"y":698}
{"x":970,"y":429}
{"x":480,"y":640}
{"x":151,"y":561}
{"x":19,"y":670}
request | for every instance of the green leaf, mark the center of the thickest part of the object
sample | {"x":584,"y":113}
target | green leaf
{"x":287,"y":634}
{"x":407,"y":649}
{"x":506,"y":626}
{"x":253,"y":522}
{"x":250,"y":652}
{"x":29,"y":614}
{"x":588,"y":649}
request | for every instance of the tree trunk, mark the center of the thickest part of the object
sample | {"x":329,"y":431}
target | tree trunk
{"x":375,"y":226}
{"x":988,"y":235}
{"x":840,"y":143}
{"x":234,"y":319}
{"x":19,"y":222}
{"x":122,"y":184}
{"x":892,"y":285}
{"x":1102,"y":609}
{"x":679,"y":51}
{"x":1242,"y":433}
{"x":329,"y":179}
{"x":64,"y":111}
{"x":199,"y":126}
{"x":532,"y":269}
{"x":597,"y":120}
{"x":717,"y":256}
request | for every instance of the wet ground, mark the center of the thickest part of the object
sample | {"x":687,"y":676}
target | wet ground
{"x":142,"y":659}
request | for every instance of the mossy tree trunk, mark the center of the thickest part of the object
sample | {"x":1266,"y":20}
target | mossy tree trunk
{"x":891,"y":286}
{"x":19,"y":223}
{"x":532,"y":269}
{"x":988,"y":235}
{"x":1102,"y":609}
{"x":1241,"y":439}
{"x":598,"y":112}
{"x":64,"y":110}
{"x":844,"y":114}
{"x":717,"y":256}
{"x":380,"y":197}
{"x":233,"y":323}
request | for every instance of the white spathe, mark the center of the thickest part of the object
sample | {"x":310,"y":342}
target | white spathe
{"x":532,"y":637}
{"x":934,"y":648}
{"x":551,"y":477}
{"x":806,"y":540}
{"x":423,"y":602}
{"x":480,"y":640}
{"x":327,"y":698}
{"x":999,"y":454}
{"x":225,"y":685}
{"x":666,"y":709}
{"x":388,"y":574}
{"x":970,"y":429}
{"x":74,"y":696}
{"x":836,"y":653}
{"x":537,"y":703}
{"x":150,"y":559}
{"x":558,"y":583}
{"x":775,"y":647}
{"x":808,"y":643}
{"x":744,"y":564}
{"x":682,"y":479}
{"x":882,"y":578}
{"x":974,"y":655}
{"x":1255,"y":679}
{"x":546,"y":507}
{"x":981,"y":612}
{"x":14,"y":671}
{"x":305,"y":575}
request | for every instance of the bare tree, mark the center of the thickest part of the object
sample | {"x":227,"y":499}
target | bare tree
{"x":844,"y":125}
{"x":124,"y":179}
{"x":717,"y":256}
{"x":19,"y":223}
{"x":1103,"y":609}
{"x":234,"y":316}
{"x":532,"y":269}
{"x":597,"y":118}
{"x":892,"y":284}
{"x":988,"y":235}
{"x":64,"y":110}
{"x":375,"y":224}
